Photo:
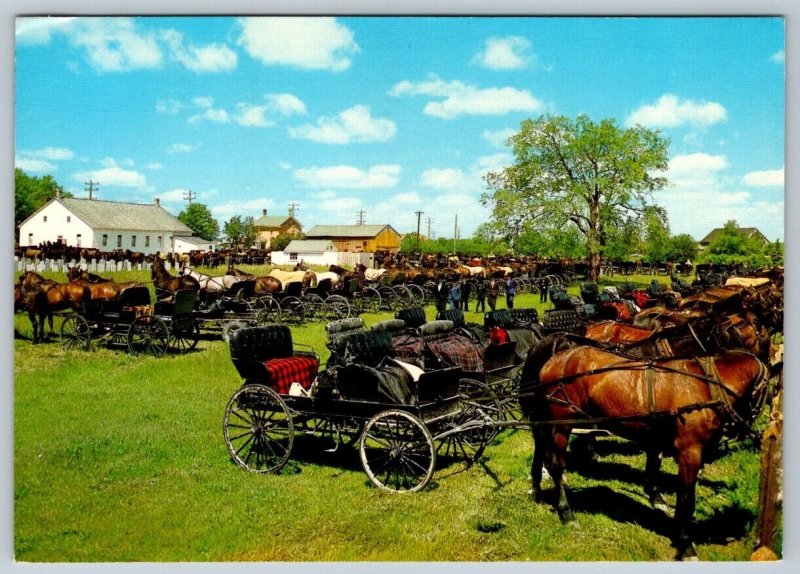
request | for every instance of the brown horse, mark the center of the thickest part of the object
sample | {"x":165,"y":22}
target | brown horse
{"x":166,"y":282}
{"x":78,"y":274}
{"x":263,"y":283}
{"x":674,"y":406}
{"x":42,"y":297}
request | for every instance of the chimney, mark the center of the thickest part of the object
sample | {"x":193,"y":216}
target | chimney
{"x":158,"y":202}
{"x":265,"y":212}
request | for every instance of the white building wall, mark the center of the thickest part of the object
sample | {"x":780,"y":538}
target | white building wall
{"x":182,"y":246}
{"x":285,"y":258}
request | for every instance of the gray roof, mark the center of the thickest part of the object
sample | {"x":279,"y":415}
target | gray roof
{"x":275,"y":221}
{"x":129,"y":216}
{"x":347,"y":230}
{"x":746,"y":231}
{"x":310,"y":246}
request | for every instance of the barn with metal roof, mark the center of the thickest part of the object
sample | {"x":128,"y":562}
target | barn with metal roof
{"x":358,"y":238}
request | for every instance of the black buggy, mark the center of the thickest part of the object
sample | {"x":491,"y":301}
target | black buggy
{"x":400,"y":417}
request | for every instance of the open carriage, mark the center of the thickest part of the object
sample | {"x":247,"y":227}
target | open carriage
{"x":400,"y":417}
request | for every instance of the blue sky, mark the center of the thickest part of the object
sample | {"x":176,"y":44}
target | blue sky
{"x":392,"y":115}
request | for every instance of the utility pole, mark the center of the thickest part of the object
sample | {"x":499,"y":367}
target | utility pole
{"x":91,"y":186}
{"x":418,"y":241}
{"x":189,"y":195}
{"x":455,"y":235}
{"x":360,"y":217}
{"x":429,"y":229}
{"x":293,"y":207}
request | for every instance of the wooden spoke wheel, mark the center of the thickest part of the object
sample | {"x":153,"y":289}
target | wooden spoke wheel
{"x":478,"y":396}
{"x":417,"y":293}
{"x":184,"y":335}
{"x":148,"y":335}
{"x":271,"y":309}
{"x":293,"y":310}
{"x":397,"y":452}
{"x":258,"y":429}
{"x":337,"y":307}
{"x":389,"y":299}
{"x":314,"y":306}
{"x":370,"y":299}
{"x":465,"y":436}
{"x":403,"y":296}
{"x":75,"y":333}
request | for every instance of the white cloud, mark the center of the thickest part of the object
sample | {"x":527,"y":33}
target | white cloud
{"x":778,"y":57}
{"x":338,"y":206}
{"x":251,"y":207}
{"x":154,"y":166}
{"x":349,"y":177}
{"x":509,"y":53}
{"x":457,"y":98}
{"x":498,"y":138}
{"x":51,"y":153}
{"x":304,"y":42}
{"x":114,"y":44}
{"x":284,"y":165}
{"x":112,"y":174}
{"x":169,"y":106}
{"x":217,"y":116}
{"x":182,"y":148}
{"x":38,"y":30}
{"x":444,"y":178}
{"x":173,"y":196}
{"x":408,"y":198}
{"x":669,"y":112}
{"x":692,"y":164}
{"x":770,"y":177}
{"x":494,"y":162}
{"x":352,"y":125}
{"x":34,"y":165}
{"x":277,"y":105}
{"x":210,"y":58}
{"x":203,"y":101}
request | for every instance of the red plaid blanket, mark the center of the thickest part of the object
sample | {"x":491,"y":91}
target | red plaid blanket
{"x":285,"y":371}
{"x":408,"y":349}
{"x":457,"y":351}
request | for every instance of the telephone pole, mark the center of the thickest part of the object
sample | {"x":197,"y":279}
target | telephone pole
{"x":293,"y":207}
{"x":419,"y":213}
{"x":91,"y":186}
{"x":455,"y":235}
{"x":189,"y":195}
{"x":429,"y":229}
{"x":360,"y":217}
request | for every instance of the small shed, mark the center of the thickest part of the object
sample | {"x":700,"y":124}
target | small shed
{"x":310,"y":251}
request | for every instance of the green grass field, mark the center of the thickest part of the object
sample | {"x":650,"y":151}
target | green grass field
{"x":121,"y":458}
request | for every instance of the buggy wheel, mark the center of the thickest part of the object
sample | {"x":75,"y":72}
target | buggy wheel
{"x":271,"y":308}
{"x":229,"y":328}
{"x":388,"y":300}
{"x":337,"y":307}
{"x":314,"y":306}
{"x":371,"y":299}
{"x":403,"y":296}
{"x":148,"y":335}
{"x":184,"y":338}
{"x":477,"y":396}
{"x":258,"y":429}
{"x":293,"y":310}
{"x":465,"y":436}
{"x":75,"y":333}
{"x":397,"y":452}
{"x":417,"y":293}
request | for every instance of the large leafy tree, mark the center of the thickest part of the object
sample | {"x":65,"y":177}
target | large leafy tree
{"x":199,"y":219}
{"x":576,"y":172}
{"x":656,"y":235}
{"x":732,"y":246}
{"x":31,"y":193}
{"x":683,"y":247}
{"x":280,"y":241}
{"x":240,"y":232}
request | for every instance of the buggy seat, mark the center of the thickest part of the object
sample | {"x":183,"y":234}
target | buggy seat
{"x":472,"y":331}
{"x":406,"y":343}
{"x":560,"y":321}
{"x":445,"y":347}
{"x":337,"y":332}
{"x":413,"y":316}
{"x":266,"y":354}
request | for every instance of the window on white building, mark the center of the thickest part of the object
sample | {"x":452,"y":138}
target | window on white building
{"x":293,"y":257}
{"x":160,"y":240}
{"x":78,"y":240}
{"x":45,"y":219}
{"x":30,"y":239}
{"x":119,"y":240}
{"x":105,"y":240}
{"x":147,"y":241}
{"x":60,"y":239}
{"x":133,"y":241}
{"x":69,"y":218}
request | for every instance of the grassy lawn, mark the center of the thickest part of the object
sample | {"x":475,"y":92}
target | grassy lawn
{"x":119,"y":458}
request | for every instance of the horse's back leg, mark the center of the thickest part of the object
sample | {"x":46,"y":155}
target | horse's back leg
{"x":690,"y":461}
{"x":651,"y":470}
{"x":540,"y":448}
{"x":560,"y":438}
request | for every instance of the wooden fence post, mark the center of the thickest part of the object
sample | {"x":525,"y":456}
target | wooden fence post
{"x":770,"y":488}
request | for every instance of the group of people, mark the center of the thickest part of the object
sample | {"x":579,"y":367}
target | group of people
{"x":456,"y":294}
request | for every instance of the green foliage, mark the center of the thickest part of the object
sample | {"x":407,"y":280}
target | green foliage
{"x":656,"y":236}
{"x":733,"y":246}
{"x":774,"y":251}
{"x":283,"y":239}
{"x":31,"y":193}
{"x":576,"y":173}
{"x":240,"y":232}
{"x":556,"y":243}
{"x":199,"y":219}
{"x":480,"y":245}
{"x":682,"y":247}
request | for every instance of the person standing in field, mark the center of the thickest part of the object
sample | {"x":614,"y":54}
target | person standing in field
{"x":511,"y":290}
{"x":455,"y":295}
{"x":480,"y":296}
{"x":492,"y":290}
{"x":442,"y":295}
{"x":466,"y":291}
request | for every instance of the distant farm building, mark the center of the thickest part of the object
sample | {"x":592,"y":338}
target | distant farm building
{"x":748,"y":232}
{"x":309,"y":251}
{"x":268,"y":227}
{"x":185,"y":244}
{"x":358,"y":238}
{"x":103,"y":225}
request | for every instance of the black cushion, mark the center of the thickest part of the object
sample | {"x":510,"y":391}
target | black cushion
{"x":413,"y":316}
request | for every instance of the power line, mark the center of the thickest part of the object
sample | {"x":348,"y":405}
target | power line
{"x":189,"y":195}
{"x":429,"y":228}
{"x":293,"y":207}
{"x":360,"y":217}
{"x":419,"y":213}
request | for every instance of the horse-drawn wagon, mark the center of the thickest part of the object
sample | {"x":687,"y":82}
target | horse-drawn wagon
{"x":400,"y":416}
